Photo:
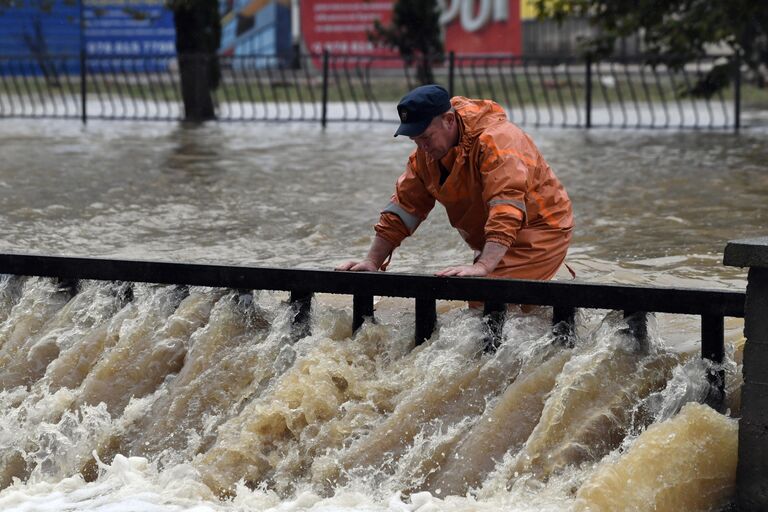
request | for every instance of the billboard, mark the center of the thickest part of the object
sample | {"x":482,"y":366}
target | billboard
{"x":113,"y":28}
{"x":482,"y":26}
{"x":116,"y":28}
{"x":341,"y":26}
{"x":470,"y":26}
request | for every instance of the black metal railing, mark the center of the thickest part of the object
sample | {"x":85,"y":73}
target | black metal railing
{"x":565,"y":297}
{"x":536,"y":91}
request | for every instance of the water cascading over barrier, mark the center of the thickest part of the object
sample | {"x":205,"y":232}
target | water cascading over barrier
{"x":208,"y":365}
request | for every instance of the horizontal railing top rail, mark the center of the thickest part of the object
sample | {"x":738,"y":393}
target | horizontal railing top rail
{"x":551,"y":293}
{"x":564,"y":297}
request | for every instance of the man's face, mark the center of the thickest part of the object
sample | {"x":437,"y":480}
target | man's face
{"x":438,"y":138}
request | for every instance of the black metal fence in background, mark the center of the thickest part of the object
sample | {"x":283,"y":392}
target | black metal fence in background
{"x":536,"y":91}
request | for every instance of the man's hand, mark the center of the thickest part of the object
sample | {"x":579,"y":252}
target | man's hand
{"x":476,"y":270}
{"x":359,"y":266}
{"x":377,"y":255}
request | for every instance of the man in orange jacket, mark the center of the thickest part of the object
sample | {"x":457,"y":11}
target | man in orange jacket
{"x":498,"y":191}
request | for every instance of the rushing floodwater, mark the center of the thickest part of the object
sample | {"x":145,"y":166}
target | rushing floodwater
{"x":152,"y":398}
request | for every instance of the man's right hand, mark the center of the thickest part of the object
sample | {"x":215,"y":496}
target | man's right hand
{"x":359,"y":266}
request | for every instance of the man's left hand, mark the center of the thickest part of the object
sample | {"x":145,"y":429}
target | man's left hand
{"x":476,"y":270}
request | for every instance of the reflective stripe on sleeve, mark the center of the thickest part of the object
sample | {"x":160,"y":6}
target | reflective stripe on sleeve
{"x":411,"y":221}
{"x":517,"y":204}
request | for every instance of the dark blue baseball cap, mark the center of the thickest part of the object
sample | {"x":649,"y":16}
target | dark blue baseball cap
{"x":417,"y":109}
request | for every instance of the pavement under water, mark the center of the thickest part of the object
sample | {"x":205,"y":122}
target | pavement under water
{"x":173,"y":399}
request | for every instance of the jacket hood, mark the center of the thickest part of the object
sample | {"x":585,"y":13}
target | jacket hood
{"x":476,"y":116}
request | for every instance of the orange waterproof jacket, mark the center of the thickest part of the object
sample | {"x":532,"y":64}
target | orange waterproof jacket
{"x":499,"y":189}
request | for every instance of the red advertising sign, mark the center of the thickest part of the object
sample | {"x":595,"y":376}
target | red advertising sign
{"x":482,"y":26}
{"x":471,"y":26}
{"x":341,"y":26}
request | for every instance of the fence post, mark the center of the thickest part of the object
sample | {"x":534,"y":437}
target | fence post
{"x":737,"y":93}
{"x":451,"y":71}
{"x":588,"y":87}
{"x":83,"y":71}
{"x":752,"y":466}
{"x":324,"y":119}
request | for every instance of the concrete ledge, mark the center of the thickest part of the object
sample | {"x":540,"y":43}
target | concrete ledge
{"x":750,"y":252}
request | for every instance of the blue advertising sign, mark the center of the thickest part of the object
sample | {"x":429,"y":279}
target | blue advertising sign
{"x":118,"y":28}
{"x":112,"y":28}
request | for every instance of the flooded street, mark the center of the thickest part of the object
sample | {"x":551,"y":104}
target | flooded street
{"x":166,"y":399}
{"x":293,"y":195}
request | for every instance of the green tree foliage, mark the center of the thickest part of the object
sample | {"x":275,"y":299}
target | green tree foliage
{"x":677,"y":31}
{"x":415,"y":33}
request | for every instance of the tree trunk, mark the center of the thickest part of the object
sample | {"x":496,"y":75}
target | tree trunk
{"x":198,"y":34}
{"x":195,"y":87}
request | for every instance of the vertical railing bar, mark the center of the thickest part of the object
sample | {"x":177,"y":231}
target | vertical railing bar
{"x":426,"y":317}
{"x":310,"y":87}
{"x":324,"y":117}
{"x":286,"y":89}
{"x":255,"y":60}
{"x":662,"y":96}
{"x":574,"y":98}
{"x":707,"y":100}
{"x":342,"y":59}
{"x":271,"y":86}
{"x":676,"y":96}
{"x":83,"y":62}
{"x":451,"y":72}
{"x":563,"y":314}
{"x":373,"y":105}
{"x":12,"y":64}
{"x":515,"y":75}
{"x":648,"y":99}
{"x":619,"y":95}
{"x":606,"y":97}
{"x":478,"y":93}
{"x":723,"y":107}
{"x":133,"y":84}
{"x":543,"y":88}
{"x":154,"y":86}
{"x":118,"y":86}
{"x":558,"y":94}
{"x":505,"y":91}
{"x":637,"y":322}
{"x":737,"y":92}
{"x":175,"y":81}
{"x":50,"y":87}
{"x":3,"y":91}
{"x":362,"y":307}
{"x":25,"y":96}
{"x":225,"y":110}
{"x":166,"y":85}
{"x":688,"y":89}
{"x":632,"y":95}
{"x":460,"y":65}
{"x":100,"y":82}
{"x":713,"y":349}
{"x":588,"y":91}
{"x":95,"y":77}
{"x":246,"y":69}
{"x":491,"y":91}
{"x":532,"y":92}
{"x":60,"y":68}
{"x":348,"y":80}
{"x":295,"y":82}
{"x":494,"y":314}
{"x":301,"y":303}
